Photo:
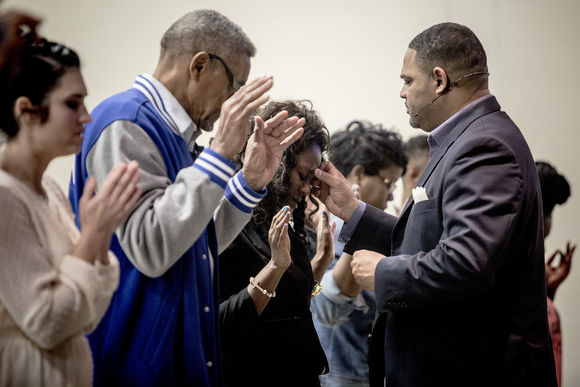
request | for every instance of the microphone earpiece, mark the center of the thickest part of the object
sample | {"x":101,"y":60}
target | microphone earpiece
{"x":449,"y":87}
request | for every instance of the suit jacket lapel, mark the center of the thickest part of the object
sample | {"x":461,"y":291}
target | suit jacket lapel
{"x":488,"y":106}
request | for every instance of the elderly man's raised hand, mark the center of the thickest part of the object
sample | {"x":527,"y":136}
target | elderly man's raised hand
{"x":231,"y":134}
{"x":266,"y":147}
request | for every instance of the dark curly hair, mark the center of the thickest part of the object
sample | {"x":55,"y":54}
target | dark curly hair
{"x":555,"y":188}
{"x":315,"y":133}
{"x":368,"y":145}
{"x":36,"y":74}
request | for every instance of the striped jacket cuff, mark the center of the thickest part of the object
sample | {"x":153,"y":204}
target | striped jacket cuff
{"x":241,"y":195}
{"x":217,"y":167}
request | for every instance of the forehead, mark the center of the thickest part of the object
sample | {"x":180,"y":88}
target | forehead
{"x":310,"y":158}
{"x":241,"y":68}
{"x":410,"y":67}
{"x":70,"y":83}
{"x":392,"y":173}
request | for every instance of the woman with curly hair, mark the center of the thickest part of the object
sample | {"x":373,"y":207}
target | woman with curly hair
{"x":266,"y":278}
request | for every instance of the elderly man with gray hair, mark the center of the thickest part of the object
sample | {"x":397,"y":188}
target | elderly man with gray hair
{"x":162,"y":325}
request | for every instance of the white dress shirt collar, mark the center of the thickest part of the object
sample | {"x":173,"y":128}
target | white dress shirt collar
{"x":168,"y":108}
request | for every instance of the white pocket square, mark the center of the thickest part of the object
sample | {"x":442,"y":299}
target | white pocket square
{"x":419,"y":194}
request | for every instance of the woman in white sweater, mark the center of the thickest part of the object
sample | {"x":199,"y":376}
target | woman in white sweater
{"x":55,"y":283}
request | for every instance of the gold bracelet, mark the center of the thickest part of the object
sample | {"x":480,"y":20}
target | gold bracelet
{"x":317,"y":289}
{"x":264,"y":291}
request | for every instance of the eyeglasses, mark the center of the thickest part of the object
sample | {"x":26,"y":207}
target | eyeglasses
{"x":231,"y":77}
{"x":390,"y":184}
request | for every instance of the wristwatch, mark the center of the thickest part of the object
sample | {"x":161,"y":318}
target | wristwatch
{"x":317,"y":289}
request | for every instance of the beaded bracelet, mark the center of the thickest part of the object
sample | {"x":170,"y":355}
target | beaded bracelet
{"x":257,"y":285}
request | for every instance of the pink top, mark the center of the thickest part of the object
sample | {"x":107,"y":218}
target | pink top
{"x":554,"y":323}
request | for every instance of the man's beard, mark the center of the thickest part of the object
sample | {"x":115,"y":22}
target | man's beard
{"x":413,"y":122}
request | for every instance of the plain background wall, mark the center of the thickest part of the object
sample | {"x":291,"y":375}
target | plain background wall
{"x":346,"y":57}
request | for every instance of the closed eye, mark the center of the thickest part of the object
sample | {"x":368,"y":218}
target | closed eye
{"x":74,"y":105}
{"x":406,"y":80}
{"x":74,"y":100}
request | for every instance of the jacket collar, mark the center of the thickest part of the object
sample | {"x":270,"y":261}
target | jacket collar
{"x":463,"y":120}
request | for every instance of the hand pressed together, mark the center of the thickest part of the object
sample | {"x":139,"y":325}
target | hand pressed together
{"x":324,"y":244}
{"x":101,"y":213}
{"x":279,"y":239}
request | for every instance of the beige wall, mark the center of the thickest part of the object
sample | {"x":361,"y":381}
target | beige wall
{"x":346,"y":57}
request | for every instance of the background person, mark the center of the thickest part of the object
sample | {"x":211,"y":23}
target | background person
{"x":55,"y":284}
{"x":555,"y":190}
{"x":16,"y":28}
{"x":161,"y":328}
{"x":417,"y":151}
{"x":276,"y":344}
{"x":371,"y":158}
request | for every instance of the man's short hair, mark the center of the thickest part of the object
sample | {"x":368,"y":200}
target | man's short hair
{"x":416,"y":147}
{"x":206,"y":30}
{"x":451,"y":46}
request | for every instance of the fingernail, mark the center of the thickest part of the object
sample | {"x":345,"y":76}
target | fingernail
{"x":285,"y":208}
{"x":323,"y":213}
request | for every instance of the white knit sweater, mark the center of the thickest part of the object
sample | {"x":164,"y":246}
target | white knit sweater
{"x":48,"y":298}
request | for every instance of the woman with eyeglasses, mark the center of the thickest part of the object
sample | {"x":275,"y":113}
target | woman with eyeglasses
{"x":372,"y":160}
{"x":266,"y":277}
{"x":55,"y":283}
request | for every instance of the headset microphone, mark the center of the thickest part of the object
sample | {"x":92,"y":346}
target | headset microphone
{"x":429,"y":104}
{"x":449,"y":88}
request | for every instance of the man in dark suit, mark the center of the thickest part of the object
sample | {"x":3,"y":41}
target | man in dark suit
{"x":459,"y":277}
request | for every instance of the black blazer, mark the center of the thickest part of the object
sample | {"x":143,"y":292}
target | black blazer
{"x":461,"y":297}
{"x":280,"y":347}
